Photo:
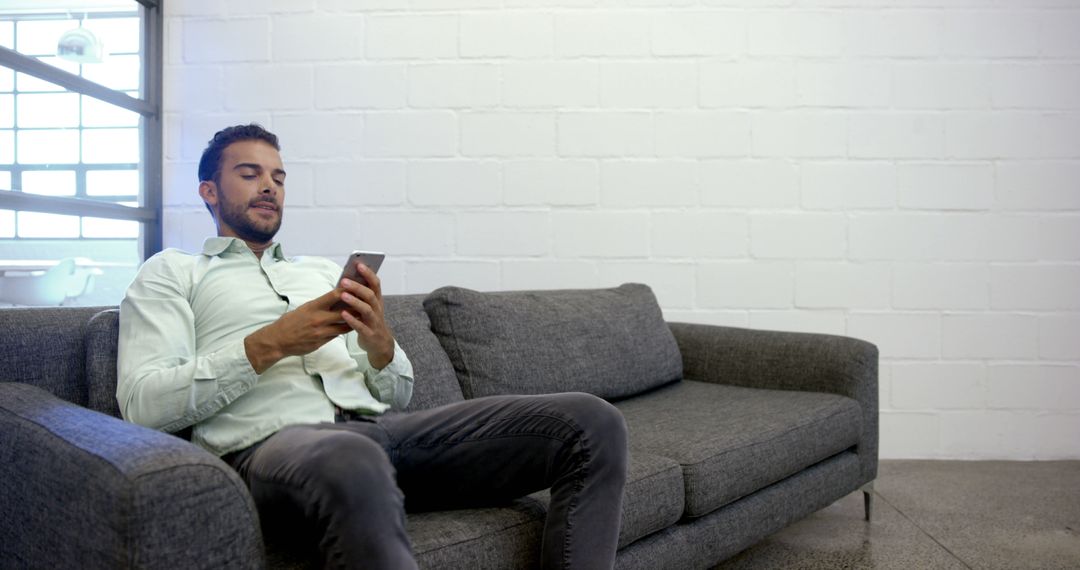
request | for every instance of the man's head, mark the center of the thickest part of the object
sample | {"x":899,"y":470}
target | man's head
{"x":242,"y":182}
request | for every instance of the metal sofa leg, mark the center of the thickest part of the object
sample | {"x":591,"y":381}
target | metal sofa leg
{"x":868,"y":499}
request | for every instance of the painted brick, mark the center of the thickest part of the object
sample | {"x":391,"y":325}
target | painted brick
{"x":600,"y":234}
{"x":454,"y":85}
{"x":556,"y":182}
{"x":953,"y":237}
{"x":1023,"y":185}
{"x":827,"y":84}
{"x":820,"y":322}
{"x":748,"y":84}
{"x":633,"y":183}
{"x":703,"y":134}
{"x":893,"y":33}
{"x":300,"y":240}
{"x":193,"y":88}
{"x":795,"y":33}
{"x":721,"y":318}
{"x":909,"y":435}
{"x":1057,"y":32}
{"x":969,"y":434}
{"x":507,"y":34}
{"x":180,"y":184}
{"x":1041,"y":436}
{"x":990,"y":335}
{"x":195,"y":227}
{"x":236,"y":39}
{"x":951,"y":186}
{"x":550,"y":84}
{"x":896,"y":135}
{"x":411,"y":134}
{"x":848,"y":185}
{"x":1059,"y":336}
{"x":798,"y":236}
{"x":531,"y":274}
{"x":899,"y":335}
{"x":672,"y":283}
{"x":426,"y":276}
{"x":1059,"y":237}
{"x":941,"y":285}
{"x":938,"y":385}
{"x":749,"y":183}
{"x":1035,"y":387}
{"x":935,"y":85}
{"x":1011,"y":135}
{"x":1036,"y":85}
{"x":197,"y":129}
{"x":607,"y":133}
{"x":503,"y":234}
{"x":359,"y":183}
{"x":454,"y":183}
{"x":339,"y":37}
{"x":412,"y":36}
{"x":508,"y":134}
{"x":799,"y":134}
{"x":687,"y":32}
{"x":991,"y":34}
{"x":607,"y":33}
{"x":405,"y":233}
{"x":650,"y":84}
{"x":271,"y":87}
{"x":299,"y":185}
{"x":1035,"y":287}
{"x":243,"y":7}
{"x":746,"y":285}
{"x":360,"y":86}
{"x":840,"y":285}
{"x":699,"y":235}
{"x":340,"y":135}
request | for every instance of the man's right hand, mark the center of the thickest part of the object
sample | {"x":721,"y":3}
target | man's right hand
{"x":297,"y":332}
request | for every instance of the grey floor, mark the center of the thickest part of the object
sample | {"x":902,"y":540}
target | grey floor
{"x":940,"y":514}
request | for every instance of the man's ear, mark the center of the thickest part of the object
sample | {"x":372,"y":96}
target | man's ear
{"x":208,"y":191}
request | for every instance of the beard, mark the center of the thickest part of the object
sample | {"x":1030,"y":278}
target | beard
{"x":248,"y":227}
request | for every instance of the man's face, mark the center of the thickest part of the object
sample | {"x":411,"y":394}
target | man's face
{"x":249,"y":194}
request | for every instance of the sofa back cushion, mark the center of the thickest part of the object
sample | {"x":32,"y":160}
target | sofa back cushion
{"x":101,"y":336}
{"x":435,"y":382}
{"x":611,"y":343}
{"x":44,"y":347}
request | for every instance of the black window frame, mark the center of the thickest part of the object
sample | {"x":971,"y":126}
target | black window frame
{"x":148,"y":106}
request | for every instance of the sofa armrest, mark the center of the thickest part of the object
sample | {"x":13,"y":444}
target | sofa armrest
{"x":81,"y":489}
{"x":788,"y":361}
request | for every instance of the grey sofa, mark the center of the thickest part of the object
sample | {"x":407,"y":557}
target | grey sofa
{"x":734,"y":434}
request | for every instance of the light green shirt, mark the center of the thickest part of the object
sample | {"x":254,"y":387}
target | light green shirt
{"x":182,"y":362}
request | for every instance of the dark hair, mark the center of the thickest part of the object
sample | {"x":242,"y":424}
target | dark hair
{"x":210,"y":163}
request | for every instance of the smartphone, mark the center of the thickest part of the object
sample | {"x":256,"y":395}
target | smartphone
{"x":372,"y":259}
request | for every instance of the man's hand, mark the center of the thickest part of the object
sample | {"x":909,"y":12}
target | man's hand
{"x":297,"y":332}
{"x":364,"y":314}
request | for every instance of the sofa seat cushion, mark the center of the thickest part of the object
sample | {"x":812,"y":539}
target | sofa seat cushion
{"x":732,"y":441}
{"x":608,"y":342}
{"x":476,"y":539}
{"x":653,"y":498}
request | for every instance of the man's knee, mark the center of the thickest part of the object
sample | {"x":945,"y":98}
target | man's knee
{"x":343,"y":463}
{"x":601,"y":423}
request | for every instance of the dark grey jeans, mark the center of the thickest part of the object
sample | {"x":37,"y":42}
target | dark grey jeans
{"x":348,"y":483}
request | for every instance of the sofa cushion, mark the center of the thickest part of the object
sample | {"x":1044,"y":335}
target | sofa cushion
{"x":435,"y":381}
{"x":100,"y":341}
{"x":732,"y":441}
{"x":477,"y":539}
{"x":608,"y":342}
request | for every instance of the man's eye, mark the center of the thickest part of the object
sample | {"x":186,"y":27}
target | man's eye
{"x":279,"y":182}
{"x":247,"y":176}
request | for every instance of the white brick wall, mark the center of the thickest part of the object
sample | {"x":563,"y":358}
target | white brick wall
{"x":903,"y":172}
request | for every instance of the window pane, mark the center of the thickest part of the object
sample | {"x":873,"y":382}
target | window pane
{"x":7,"y":79}
{"x":46,"y":147}
{"x":48,"y":110}
{"x":39,"y":37}
{"x":49,"y":182}
{"x":26,"y":82}
{"x":5,"y":180}
{"x":107,"y":228}
{"x":120,"y":35}
{"x":98,"y":113}
{"x":112,"y":183}
{"x":110,"y":145}
{"x":7,"y":111}
{"x":7,"y":147}
{"x":41,"y":225}
{"x":7,"y":224}
{"x":116,"y":72}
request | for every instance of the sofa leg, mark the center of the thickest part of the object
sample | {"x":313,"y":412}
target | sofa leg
{"x":868,"y":499}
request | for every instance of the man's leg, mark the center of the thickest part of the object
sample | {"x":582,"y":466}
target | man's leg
{"x":336,"y":483}
{"x":495,"y":449}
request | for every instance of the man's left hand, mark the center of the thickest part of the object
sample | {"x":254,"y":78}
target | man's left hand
{"x":365,"y":315}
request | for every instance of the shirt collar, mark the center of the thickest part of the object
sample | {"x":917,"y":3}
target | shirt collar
{"x":217,"y":245}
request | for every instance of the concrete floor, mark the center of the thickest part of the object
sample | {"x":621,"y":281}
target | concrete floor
{"x":940,"y":514}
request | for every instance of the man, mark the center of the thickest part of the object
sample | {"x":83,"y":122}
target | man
{"x":304,"y":399}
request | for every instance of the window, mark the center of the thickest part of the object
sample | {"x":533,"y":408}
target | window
{"x":80,"y":134}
